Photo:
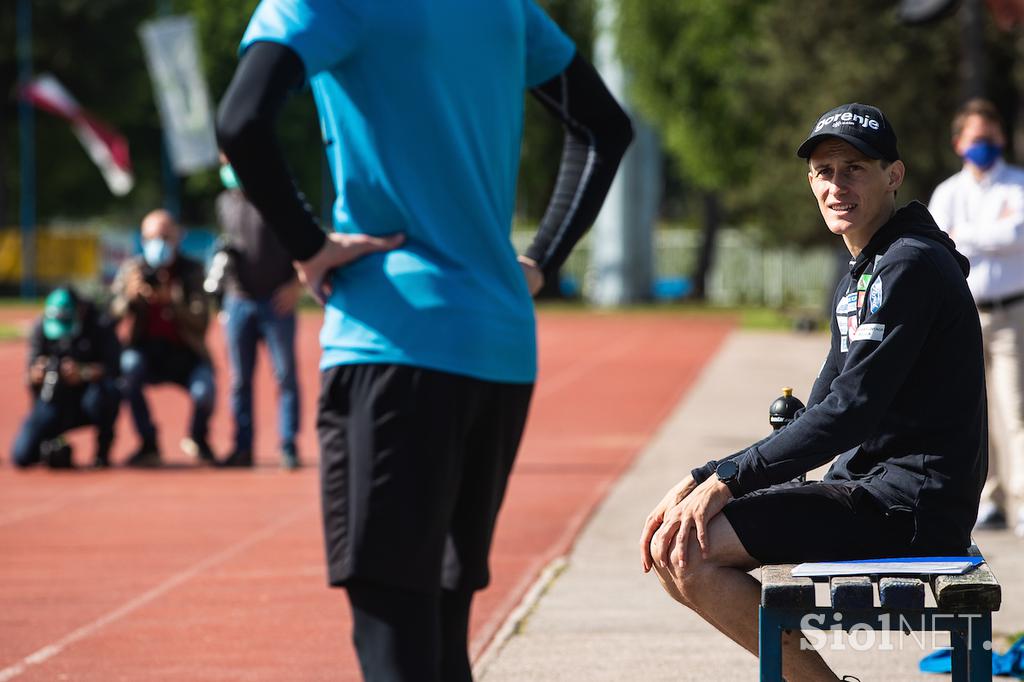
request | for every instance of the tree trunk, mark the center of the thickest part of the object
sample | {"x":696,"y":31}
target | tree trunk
{"x":708,"y":242}
{"x":974,"y":62}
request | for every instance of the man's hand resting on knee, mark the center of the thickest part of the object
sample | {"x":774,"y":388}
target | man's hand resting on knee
{"x":684,"y":508}
{"x":673,"y":497}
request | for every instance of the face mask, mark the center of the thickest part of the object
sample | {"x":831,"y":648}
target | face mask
{"x":157,"y":252}
{"x":228,"y":177}
{"x":983,"y":154}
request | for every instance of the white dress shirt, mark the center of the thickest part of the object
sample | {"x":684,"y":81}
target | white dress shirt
{"x":985,"y":217}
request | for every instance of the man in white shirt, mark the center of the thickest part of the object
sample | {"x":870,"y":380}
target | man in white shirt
{"x":982,"y":209}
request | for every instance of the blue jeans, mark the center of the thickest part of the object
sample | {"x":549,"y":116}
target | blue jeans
{"x":161,"y":363}
{"x":248,"y":321}
{"x":96,"y":405}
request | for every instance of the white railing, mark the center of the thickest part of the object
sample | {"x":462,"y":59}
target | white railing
{"x":744,"y":271}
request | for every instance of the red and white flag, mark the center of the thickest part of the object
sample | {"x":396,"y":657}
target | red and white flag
{"x":106,"y":147}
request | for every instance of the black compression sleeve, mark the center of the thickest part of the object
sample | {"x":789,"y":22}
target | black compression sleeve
{"x":267,"y":75}
{"x":597,"y":134}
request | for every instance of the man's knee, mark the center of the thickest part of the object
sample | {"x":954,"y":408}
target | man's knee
{"x":133,"y":368}
{"x":202,"y":389}
{"x":38,"y":426}
{"x":668,"y":583}
{"x":685,"y":583}
{"x":24,"y":452}
{"x":101,"y":402}
{"x":241,"y":382}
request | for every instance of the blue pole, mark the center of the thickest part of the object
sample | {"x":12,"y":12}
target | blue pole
{"x":26,"y":119}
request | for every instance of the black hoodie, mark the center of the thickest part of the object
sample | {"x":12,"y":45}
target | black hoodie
{"x":900,"y":398}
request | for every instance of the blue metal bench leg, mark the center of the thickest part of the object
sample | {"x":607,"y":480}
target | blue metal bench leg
{"x":980,"y":648}
{"x":769,"y":646}
{"x":958,"y":638}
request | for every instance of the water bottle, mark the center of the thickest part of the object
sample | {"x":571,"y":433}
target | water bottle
{"x":783,"y":410}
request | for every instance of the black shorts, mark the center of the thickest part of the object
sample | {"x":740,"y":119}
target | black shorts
{"x":413,"y":468}
{"x":815,"y":521}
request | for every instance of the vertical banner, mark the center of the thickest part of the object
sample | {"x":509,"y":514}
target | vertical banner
{"x":172,"y":55}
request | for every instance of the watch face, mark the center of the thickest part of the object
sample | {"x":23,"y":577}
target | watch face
{"x":727,"y":470}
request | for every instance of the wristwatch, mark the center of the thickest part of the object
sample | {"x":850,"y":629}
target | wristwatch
{"x":727,"y":472}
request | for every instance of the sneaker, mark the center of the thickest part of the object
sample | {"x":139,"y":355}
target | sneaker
{"x":990,"y":517}
{"x":56,"y":453}
{"x":198,"y":449}
{"x":238,"y":459}
{"x":289,"y":458}
{"x":146,"y":457}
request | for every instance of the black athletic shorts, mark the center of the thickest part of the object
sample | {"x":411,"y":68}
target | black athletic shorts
{"x":816,"y":521}
{"x":413,"y":468}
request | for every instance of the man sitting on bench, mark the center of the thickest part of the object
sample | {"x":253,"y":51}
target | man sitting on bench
{"x":900,"y":400}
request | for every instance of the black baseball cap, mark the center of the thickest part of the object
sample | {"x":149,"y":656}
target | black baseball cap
{"x":862,"y":125}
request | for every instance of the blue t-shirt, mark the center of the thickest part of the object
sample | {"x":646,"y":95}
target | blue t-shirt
{"x":421,"y":109}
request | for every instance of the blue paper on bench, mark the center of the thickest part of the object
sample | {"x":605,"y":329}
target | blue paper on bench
{"x":918,"y":565}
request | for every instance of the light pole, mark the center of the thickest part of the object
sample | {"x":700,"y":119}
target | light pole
{"x":26,"y":120}
{"x":621,"y":256}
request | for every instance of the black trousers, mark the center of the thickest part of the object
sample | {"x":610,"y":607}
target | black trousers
{"x":410,"y":635}
{"x":414,"y":464}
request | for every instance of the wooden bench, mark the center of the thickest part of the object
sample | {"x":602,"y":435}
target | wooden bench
{"x":963,"y":607}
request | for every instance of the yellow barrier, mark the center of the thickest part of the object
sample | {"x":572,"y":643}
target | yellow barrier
{"x":60,"y":256}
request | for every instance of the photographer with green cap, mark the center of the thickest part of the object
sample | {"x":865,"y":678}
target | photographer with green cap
{"x":73,"y":361}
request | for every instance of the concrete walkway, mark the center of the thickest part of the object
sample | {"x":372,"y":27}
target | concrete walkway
{"x":597,"y":617}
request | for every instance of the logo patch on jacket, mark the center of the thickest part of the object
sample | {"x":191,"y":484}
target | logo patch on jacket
{"x":868,"y":332}
{"x":875,"y":296}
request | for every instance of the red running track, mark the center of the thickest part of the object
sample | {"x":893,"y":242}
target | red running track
{"x":192,"y":574}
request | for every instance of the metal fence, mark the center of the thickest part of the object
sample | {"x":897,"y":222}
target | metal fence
{"x":744,"y":271}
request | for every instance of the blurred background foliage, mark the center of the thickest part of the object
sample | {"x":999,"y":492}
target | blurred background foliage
{"x":731,"y":86}
{"x":734,"y":86}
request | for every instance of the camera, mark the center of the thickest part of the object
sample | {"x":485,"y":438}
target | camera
{"x":51,"y":379}
{"x":150,"y":278}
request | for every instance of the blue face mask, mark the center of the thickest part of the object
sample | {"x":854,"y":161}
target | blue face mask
{"x":157,"y":252}
{"x":228,"y":177}
{"x":983,"y":154}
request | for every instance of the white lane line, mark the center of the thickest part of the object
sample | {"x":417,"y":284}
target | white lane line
{"x":57,"y":503}
{"x":51,"y":650}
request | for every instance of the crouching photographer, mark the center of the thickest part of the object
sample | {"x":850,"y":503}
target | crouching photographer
{"x":73,"y":360}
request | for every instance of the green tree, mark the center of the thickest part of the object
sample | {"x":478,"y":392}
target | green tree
{"x":688,"y":62}
{"x":734,"y":85}
{"x":94,"y":49}
{"x":220,"y":26}
{"x":542,"y":135}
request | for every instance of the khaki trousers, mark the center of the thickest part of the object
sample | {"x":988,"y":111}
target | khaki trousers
{"x":1002,"y":331}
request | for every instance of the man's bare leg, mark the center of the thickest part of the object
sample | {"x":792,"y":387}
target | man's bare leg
{"x":721,"y":592}
{"x":669,"y":585}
